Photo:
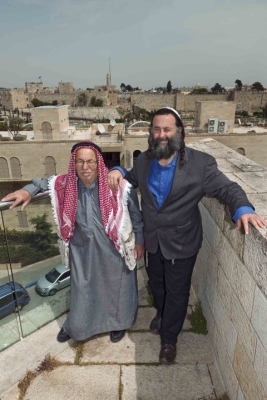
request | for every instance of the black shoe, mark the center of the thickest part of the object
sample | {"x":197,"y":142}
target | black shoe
{"x":167,"y":353}
{"x":116,"y":336}
{"x":62,"y":336}
{"x":155,"y":325}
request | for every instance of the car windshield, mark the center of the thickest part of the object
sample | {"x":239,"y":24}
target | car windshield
{"x":52,"y":275}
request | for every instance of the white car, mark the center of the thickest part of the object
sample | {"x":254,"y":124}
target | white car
{"x":56,"y":279}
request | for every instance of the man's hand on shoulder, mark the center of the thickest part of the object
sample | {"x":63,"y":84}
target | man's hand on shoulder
{"x":115,"y":179}
{"x":139,"y":250}
{"x":252,"y":219}
{"x":19,"y":196}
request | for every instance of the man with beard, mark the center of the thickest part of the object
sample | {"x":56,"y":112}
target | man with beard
{"x":173,"y":179}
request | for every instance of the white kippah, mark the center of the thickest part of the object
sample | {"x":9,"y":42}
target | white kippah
{"x":172,"y":109}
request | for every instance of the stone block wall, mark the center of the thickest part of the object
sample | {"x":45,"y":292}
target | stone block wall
{"x":62,"y":99}
{"x":230,"y":279}
{"x":250,"y":101}
{"x":65,"y":87}
{"x":187,"y":102}
{"x":153,"y":101}
{"x":254,"y":144}
{"x":6,"y":99}
{"x":14,"y":98}
{"x":223,"y":110}
{"x":94,"y":112}
{"x":56,"y":116}
{"x":33,"y":87}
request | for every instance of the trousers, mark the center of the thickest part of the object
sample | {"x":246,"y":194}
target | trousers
{"x":169,"y":282}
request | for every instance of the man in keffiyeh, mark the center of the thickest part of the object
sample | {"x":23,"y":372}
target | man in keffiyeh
{"x":94,"y":225}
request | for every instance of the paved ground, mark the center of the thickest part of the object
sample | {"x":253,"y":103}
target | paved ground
{"x":100,"y":370}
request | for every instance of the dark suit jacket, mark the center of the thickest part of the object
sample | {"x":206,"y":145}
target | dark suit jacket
{"x":177,"y":226}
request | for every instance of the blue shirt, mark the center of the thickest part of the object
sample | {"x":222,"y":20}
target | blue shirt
{"x":160,"y":182}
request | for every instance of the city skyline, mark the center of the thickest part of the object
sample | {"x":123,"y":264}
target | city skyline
{"x":149,"y":43}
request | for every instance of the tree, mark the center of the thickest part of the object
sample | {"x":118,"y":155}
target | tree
{"x":129,"y":88}
{"x":199,"y":91}
{"x":37,"y":103}
{"x":15,"y":125}
{"x":257,"y":86}
{"x":43,"y":235}
{"x":238,"y":85}
{"x":3,"y":126}
{"x":217,"y":88}
{"x":82,"y":100}
{"x":161,"y":89}
{"x":96,"y":102}
{"x":169,"y":87}
{"x":123,"y":87}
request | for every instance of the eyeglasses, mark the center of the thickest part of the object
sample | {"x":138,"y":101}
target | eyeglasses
{"x":90,"y":163}
{"x":157,"y":129}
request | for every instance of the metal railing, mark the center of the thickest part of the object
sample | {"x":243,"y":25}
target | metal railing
{"x":29,"y":304}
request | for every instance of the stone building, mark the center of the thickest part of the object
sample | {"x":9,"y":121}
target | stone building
{"x":223,"y":111}
{"x":50,"y":122}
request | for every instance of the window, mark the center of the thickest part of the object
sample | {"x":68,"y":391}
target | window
{"x":64,"y":276}
{"x":15,"y":167}
{"x":47,"y":131}
{"x":4,"y":171}
{"x":50,"y":166}
{"x":22,"y":217}
{"x":240,"y":150}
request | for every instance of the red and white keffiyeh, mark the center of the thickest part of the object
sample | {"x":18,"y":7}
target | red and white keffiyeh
{"x":64,"y":196}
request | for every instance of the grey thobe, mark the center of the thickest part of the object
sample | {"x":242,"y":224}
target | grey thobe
{"x":103,"y":291}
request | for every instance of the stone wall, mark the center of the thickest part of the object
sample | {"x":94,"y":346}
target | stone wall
{"x":254,"y":145}
{"x":231,"y":282}
{"x":33,"y":87}
{"x":62,"y":99}
{"x":250,"y":101}
{"x":14,"y":98}
{"x":94,"y":112}
{"x":153,"y":101}
{"x":223,"y":110}
{"x":6,"y":99}
{"x":65,"y":87}
{"x":187,"y":102}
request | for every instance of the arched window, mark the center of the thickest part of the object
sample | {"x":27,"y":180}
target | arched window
{"x":50,"y":166}
{"x":241,"y":151}
{"x":4,"y":171}
{"x":15,"y":167}
{"x":47,"y":131}
{"x":135,"y":155}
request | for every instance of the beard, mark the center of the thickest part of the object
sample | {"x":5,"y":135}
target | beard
{"x":166,"y":151}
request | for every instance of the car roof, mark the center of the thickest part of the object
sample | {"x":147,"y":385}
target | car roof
{"x":61,"y":268}
{"x":8,"y":287}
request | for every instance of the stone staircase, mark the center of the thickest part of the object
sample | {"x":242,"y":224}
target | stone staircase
{"x":41,"y":368}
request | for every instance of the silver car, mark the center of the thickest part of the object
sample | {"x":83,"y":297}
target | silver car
{"x":54,"y":280}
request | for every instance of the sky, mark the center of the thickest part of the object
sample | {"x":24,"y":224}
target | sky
{"x":148,"y":42}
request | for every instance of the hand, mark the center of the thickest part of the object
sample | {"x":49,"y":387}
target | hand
{"x":19,"y":196}
{"x":115,"y":179}
{"x":253,"y":219}
{"x":139,"y":250}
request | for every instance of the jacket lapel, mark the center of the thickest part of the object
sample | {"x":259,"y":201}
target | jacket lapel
{"x":146,"y":170}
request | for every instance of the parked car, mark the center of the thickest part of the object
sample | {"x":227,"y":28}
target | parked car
{"x":13,"y":297}
{"x":54,"y":280}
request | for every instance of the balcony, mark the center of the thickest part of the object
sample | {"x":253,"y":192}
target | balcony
{"x":229,"y":280}
{"x":24,"y":259}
